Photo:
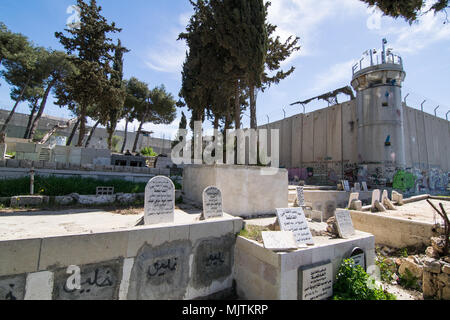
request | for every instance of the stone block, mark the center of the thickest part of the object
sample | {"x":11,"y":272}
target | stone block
{"x":96,"y":200}
{"x":11,"y":163}
{"x":25,"y":163}
{"x":446,"y":268}
{"x":209,"y":229}
{"x":12,"y":287}
{"x":2,"y":163}
{"x":19,"y":256}
{"x":432,"y":266}
{"x":26,"y":147}
{"x":50,"y":165}
{"x":82,"y":249}
{"x":415,"y":269}
{"x":38,"y":164}
{"x":429,"y":287}
{"x":20,"y":201}
{"x":64,"y":200}
{"x":356,"y":205}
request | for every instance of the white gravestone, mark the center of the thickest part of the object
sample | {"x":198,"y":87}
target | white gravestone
{"x":159,"y":201}
{"x":385,"y":195}
{"x":300,"y":196}
{"x":293,"y":219}
{"x":316,"y":283}
{"x":279,"y":240}
{"x":344,"y":224}
{"x":365,"y":188}
{"x":212,"y":203}
{"x":375,"y":196}
{"x":353,"y":197}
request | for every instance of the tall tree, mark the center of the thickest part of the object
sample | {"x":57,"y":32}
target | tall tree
{"x":55,"y":67}
{"x":408,"y":9}
{"x":181,"y":126}
{"x":92,"y":48}
{"x":19,"y":73}
{"x":13,"y":46}
{"x":159,"y":108}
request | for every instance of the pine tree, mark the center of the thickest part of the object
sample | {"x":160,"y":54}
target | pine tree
{"x":92,"y":48}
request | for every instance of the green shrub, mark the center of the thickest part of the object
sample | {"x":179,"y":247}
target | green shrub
{"x":148,"y":152}
{"x":54,"y":186}
{"x":353,"y":283}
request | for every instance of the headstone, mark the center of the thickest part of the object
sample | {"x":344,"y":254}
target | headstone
{"x":353,"y":197}
{"x":397,"y":197}
{"x":344,"y":224}
{"x":279,"y":240}
{"x":385,"y":195}
{"x":359,"y":257}
{"x":300,"y":196}
{"x":379,"y":206}
{"x":159,"y":201}
{"x":365,"y":188}
{"x":212,"y":203}
{"x":357,"y":187}
{"x":315,"y":282}
{"x":293,"y":219}
{"x":356,"y":205}
{"x":375,"y":197}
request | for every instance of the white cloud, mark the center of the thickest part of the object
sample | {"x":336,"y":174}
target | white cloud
{"x":168,"y":54}
{"x":337,"y":76}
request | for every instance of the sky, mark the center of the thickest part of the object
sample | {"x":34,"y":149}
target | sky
{"x":333,"y":36}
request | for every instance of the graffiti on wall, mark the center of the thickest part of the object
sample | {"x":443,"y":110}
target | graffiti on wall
{"x":404,"y":181}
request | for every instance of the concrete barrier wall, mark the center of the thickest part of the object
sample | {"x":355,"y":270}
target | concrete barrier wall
{"x":178,"y":261}
{"x":394,"y":232}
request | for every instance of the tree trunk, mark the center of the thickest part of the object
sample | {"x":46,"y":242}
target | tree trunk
{"x":81,"y":131}
{"x":56,"y":128}
{"x":237,"y":106}
{"x":253,"y":122}
{"x":8,"y":120}
{"x":216,"y":122}
{"x":91,"y":134}
{"x":138,"y":133}
{"x":125,"y":137}
{"x":41,"y":110}
{"x":74,"y":130}
{"x":110,"y":128}
{"x":30,"y":121}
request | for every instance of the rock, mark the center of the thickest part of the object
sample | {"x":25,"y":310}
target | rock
{"x":438,"y":244}
{"x":432,"y":266}
{"x":430,"y":252}
{"x":398,"y":261}
{"x":125,"y":198}
{"x":379,"y":206}
{"x":415,"y":269}
{"x":332,"y":227}
{"x":429,"y":287}
{"x":64,"y":200}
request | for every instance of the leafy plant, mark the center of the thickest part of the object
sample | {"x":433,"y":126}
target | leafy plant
{"x":385,"y":267}
{"x":148,"y":152}
{"x":409,"y":281}
{"x":353,"y":283}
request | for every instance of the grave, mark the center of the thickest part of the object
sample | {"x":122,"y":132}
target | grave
{"x":359,"y":257}
{"x":212,"y":203}
{"x":375,"y":197}
{"x":293,"y":219}
{"x":159,"y":201}
{"x":344,"y":224}
{"x":364,"y":185}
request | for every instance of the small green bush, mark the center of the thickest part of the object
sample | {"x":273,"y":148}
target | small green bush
{"x":353,"y":283}
{"x":148,"y":152}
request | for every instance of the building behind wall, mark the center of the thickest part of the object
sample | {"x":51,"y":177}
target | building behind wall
{"x":18,"y":124}
{"x":371,"y":138}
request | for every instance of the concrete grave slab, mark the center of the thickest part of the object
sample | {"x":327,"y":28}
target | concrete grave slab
{"x":159,"y":201}
{"x":279,"y":240}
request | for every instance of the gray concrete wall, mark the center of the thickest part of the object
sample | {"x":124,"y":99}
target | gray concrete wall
{"x":329,"y":140}
{"x":176,"y":261}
